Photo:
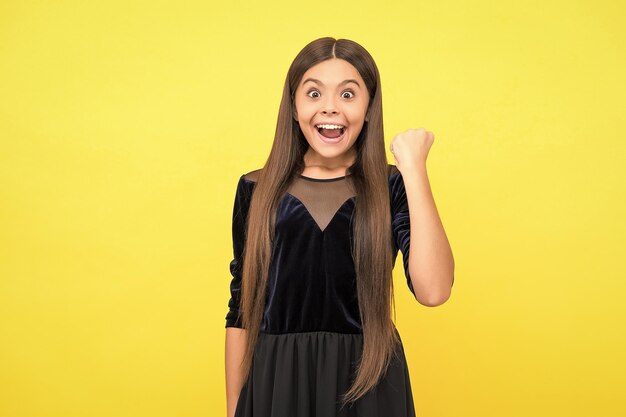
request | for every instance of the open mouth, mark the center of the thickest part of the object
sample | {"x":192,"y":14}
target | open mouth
{"x":330,"y":133}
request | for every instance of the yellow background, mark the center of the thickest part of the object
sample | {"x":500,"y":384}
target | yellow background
{"x":124,"y":127}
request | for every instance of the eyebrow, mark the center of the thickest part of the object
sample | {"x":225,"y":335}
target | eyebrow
{"x":341,"y":83}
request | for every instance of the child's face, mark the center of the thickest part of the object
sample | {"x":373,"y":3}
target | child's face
{"x":331,"y":100}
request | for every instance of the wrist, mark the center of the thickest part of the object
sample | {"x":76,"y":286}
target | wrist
{"x":418,"y":170}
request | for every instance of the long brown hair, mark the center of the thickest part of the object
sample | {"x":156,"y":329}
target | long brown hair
{"x":372,"y":246}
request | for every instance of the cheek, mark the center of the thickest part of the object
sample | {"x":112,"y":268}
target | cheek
{"x":356,"y":117}
{"x":356,"y":124}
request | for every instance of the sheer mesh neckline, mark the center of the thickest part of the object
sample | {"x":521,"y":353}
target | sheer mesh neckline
{"x":323,"y":179}
{"x":321,"y":198}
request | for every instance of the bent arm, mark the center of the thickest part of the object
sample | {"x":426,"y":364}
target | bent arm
{"x":431,"y":263}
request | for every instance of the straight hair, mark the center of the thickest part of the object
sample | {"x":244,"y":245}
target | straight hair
{"x":372,"y":246}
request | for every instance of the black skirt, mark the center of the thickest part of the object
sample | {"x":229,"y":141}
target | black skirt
{"x":305,"y":375}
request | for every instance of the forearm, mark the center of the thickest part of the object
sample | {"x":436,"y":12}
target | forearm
{"x":236,"y":339}
{"x":431,"y":263}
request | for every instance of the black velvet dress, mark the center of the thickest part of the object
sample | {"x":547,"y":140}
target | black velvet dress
{"x":311,"y":336}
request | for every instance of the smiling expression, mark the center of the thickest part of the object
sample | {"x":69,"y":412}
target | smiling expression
{"x":331,"y":92}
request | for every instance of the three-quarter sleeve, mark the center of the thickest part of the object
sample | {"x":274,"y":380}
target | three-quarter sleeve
{"x":240,"y":215}
{"x":400,"y":222}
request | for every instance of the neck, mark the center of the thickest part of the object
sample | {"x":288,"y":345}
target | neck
{"x":343,"y":161}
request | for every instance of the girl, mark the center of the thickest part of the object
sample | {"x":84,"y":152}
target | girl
{"x":316,"y":233}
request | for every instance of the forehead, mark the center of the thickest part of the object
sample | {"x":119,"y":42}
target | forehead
{"x":332,"y":72}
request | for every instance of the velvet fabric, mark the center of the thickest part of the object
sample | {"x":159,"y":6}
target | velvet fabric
{"x":312,"y":282}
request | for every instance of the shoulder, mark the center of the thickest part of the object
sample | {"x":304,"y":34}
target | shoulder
{"x":251,"y":176}
{"x":397,"y":192}
{"x":395,"y":177}
{"x":393,"y":170}
{"x":246,"y":184}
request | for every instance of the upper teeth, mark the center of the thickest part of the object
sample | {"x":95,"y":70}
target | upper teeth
{"x":330,"y":126}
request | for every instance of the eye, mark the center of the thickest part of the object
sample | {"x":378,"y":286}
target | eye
{"x":317,"y":92}
{"x":312,"y":91}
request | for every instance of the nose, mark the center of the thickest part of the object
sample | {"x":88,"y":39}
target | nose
{"x":329,"y":106}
